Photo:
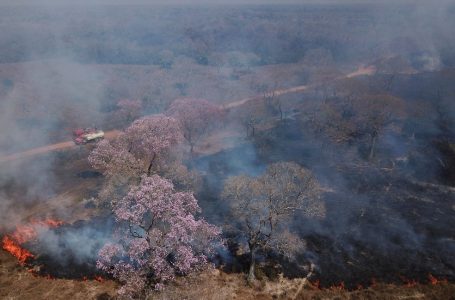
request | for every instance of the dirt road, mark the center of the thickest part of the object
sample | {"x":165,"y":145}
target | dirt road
{"x":49,"y":148}
{"x":369,"y":70}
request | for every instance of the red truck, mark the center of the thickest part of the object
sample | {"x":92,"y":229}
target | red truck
{"x":82,"y":136}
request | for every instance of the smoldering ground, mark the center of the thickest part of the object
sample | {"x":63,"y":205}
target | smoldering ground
{"x":374,"y":218}
{"x":70,"y":250}
{"x":379,"y":224}
{"x":47,"y":100}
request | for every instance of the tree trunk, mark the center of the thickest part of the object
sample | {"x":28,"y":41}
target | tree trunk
{"x":149,"y":169}
{"x":251,"y":276}
{"x":373,"y":144}
{"x":281,"y":113}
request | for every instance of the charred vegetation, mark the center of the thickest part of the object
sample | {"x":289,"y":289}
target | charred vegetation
{"x":285,"y":151}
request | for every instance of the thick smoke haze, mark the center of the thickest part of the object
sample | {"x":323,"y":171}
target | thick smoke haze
{"x":209,"y":2}
{"x":66,"y":64}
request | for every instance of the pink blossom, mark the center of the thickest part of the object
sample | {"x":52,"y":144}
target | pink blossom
{"x":141,"y":143}
{"x":162,"y":235}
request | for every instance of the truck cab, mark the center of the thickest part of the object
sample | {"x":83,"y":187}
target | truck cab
{"x":82,"y":136}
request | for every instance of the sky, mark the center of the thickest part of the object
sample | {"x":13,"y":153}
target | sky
{"x":89,"y":2}
{"x":137,"y":2}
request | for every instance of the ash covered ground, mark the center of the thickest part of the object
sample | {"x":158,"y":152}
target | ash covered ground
{"x":367,"y":108}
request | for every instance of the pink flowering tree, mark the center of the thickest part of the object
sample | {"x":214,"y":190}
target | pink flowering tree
{"x":145,"y":144}
{"x":142,"y":143}
{"x":129,"y":110}
{"x":196,"y":118}
{"x":152,"y":137}
{"x":114,"y":158}
{"x":159,"y":237}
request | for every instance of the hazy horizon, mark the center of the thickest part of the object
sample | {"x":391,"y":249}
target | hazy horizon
{"x":202,"y":2}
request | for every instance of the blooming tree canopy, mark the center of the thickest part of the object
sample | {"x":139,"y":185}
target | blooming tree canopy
{"x":141,"y":143}
{"x":152,"y":136}
{"x":144,"y":144}
{"x":159,"y":236}
{"x":196,"y":117}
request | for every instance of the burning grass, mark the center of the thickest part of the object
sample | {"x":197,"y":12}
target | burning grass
{"x":47,"y":248}
{"x":25,"y":233}
{"x":15,"y":249}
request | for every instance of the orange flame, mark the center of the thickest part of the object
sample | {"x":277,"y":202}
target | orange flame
{"x":24,"y":233}
{"x":12,"y":247}
{"x":49,"y":277}
{"x":339,"y":287}
{"x":373,"y":282}
{"x":29,"y":232}
{"x":433,"y":280}
{"x":408,"y":282}
{"x":316,"y":284}
{"x":52,"y":223}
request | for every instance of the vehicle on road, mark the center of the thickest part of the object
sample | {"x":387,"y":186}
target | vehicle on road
{"x":82,"y":136}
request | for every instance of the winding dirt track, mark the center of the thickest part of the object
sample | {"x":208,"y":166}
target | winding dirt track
{"x":44,"y":149}
{"x":369,"y":70}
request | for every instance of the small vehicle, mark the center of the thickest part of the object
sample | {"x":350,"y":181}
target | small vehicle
{"x":87,"y":135}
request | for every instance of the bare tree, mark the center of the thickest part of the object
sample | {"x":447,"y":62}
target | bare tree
{"x":249,"y":118}
{"x":273,"y":103}
{"x":196,"y":118}
{"x":360,"y":119}
{"x":264,"y":206}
